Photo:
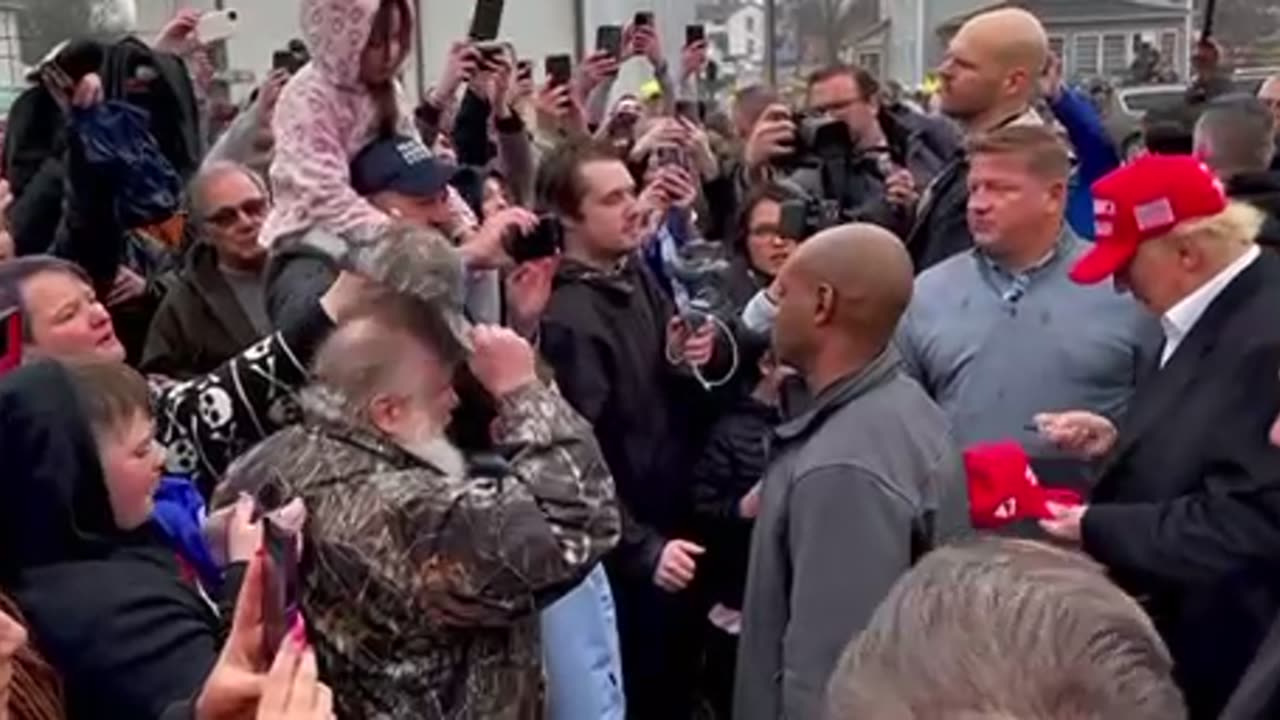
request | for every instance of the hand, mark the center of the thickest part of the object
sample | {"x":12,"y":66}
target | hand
{"x":293,"y":690}
{"x":461,"y":65}
{"x":500,"y":79}
{"x":501,"y":361}
{"x":244,"y":534}
{"x":694,"y":348}
{"x":521,"y":90}
{"x":698,"y":143}
{"x":269,"y":95}
{"x":693,"y":60}
{"x":486,"y":248}
{"x":593,"y":72}
{"x":348,"y":294}
{"x":664,"y":131}
{"x":677,"y":186}
{"x":558,"y":106}
{"x":1051,"y":82}
{"x":1065,"y":525}
{"x":234,"y":686}
{"x":773,"y":137}
{"x":528,"y":294}
{"x":179,"y":35}
{"x":749,"y":505}
{"x":900,"y":189}
{"x":128,"y":286}
{"x":1083,"y":434}
{"x":88,"y":92}
{"x":677,"y":565}
{"x":642,"y":42}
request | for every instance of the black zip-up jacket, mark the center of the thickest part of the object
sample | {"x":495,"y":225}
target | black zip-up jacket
{"x":604,"y":334}
{"x":1261,"y":190}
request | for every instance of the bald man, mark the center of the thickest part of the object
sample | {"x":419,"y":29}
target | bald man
{"x":1269,"y":94}
{"x":861,"y":486}
{"x":990,"y":79}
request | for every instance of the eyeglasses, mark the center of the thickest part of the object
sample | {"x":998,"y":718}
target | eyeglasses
{"x":252,"y":209}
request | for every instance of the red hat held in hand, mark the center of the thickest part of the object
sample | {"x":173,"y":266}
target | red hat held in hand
{"x":1003,"y":488}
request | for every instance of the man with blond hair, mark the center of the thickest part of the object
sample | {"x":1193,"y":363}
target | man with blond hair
{"x":1186,"y":512}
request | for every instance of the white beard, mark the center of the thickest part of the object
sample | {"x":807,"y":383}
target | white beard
{"x":438,"y":452}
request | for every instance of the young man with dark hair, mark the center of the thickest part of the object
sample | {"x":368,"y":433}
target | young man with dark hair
{"x":611,"y":334}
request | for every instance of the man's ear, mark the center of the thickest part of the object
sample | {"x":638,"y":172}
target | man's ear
{"x":824,"y":310}
{"x":385,"y":412}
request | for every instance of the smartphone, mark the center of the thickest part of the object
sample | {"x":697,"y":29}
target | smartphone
{"x":689,"y":110}
{"x":794,"y":221}
{"x":559,"y":70}
{"x":644,"y":19}
{"x":609,"y":40}
{"x":217,"y":25}
{"x":524,"y":70}
{"x":669,"y":155}
{"x":545,"y":241}
{"x":10,"y":340}
{"x":279,"y":587}
{"x":486,"y":22}
{"x":694,"y":34}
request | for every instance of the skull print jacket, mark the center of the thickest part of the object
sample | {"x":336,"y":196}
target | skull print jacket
{"x":420,"y":586}
{"x":207,"y":422}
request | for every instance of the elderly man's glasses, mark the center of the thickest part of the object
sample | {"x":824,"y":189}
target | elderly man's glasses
{"x":251,"y":209}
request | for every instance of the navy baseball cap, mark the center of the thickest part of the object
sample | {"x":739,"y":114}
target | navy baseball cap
{"x":400,"y":164}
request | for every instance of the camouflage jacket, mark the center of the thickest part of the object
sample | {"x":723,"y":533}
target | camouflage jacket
{"x":421,"y":591}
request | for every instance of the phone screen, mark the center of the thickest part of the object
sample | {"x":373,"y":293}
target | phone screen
{"x":609,"y":40}
{"x":644,"y":19}
{"x":794,"y":220}
{"x":694,"y":34}
{"x":545,"y":241}
{"x":10,"y":340}
{"x":279,"y":588}
{"x":487,"y":20}
{"x":282,"y":60}
{"x":559,"y":70}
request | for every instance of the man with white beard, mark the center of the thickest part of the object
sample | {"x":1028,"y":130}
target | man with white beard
{"x":425,"y":576}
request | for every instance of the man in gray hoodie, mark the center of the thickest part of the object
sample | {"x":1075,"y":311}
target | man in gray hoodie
{"x":861,"y":486}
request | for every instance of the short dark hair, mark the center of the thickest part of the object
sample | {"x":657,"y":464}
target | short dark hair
{"x":1007,"y":628}
{"x":15,"y":273}
{"x":559,"y":186}
{"x":110,"y":393}
{"x":1241,"y":133}
{"x":764,"y":192}
{"x":1043,"y":151}
{"x":868,"y":85}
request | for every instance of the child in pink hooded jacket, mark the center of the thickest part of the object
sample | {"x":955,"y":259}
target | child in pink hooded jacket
{"x":345,"y":98}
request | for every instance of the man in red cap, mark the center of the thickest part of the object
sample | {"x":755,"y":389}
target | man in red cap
{"x":1186,"y":512}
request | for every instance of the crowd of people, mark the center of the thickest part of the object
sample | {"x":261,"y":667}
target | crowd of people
{"x":546,"y":399}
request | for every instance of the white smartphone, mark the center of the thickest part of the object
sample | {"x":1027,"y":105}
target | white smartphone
{"x":216,"y":26}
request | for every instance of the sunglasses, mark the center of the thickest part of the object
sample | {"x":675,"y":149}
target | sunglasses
{"x":251,"y":209}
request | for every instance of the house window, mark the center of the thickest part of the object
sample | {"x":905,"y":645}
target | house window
{"x":1085,"y":51}
{"x":751,"y":47}
{"x":870,"y":61}
{"x":1115,"y":54}
{"x":11,"y":68}
{"x":1058,"y":46}
{"x":1169,"y":48}
{"x":751,"y":24}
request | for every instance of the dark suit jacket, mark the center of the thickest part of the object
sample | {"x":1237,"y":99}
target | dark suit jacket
{"x":1187,"y":513}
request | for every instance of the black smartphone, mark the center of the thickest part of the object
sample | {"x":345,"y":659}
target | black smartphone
{"x":609,"y":40}
{"x":713,"y":72}
{"x":545,"y":241}
{"x":486,"y":22}
{"x":279,"y":587}
{"x":559,"y":70}
{"x":282,"y":60}
{"x":690,"y":110}
{"x":794,"y":220}
{"x":524,"y":70}
{"x":644,"y":19}
{"x":10,"y":340}
{"x":694,"y":34}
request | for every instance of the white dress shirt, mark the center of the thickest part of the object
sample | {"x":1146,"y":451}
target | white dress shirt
{"x":1182,"y":318}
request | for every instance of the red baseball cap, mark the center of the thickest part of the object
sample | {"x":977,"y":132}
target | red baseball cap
{"x":1003,"y":488}
{"x":1143,"y":201}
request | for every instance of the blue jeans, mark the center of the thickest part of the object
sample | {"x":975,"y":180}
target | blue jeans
{"x":580,"y":648}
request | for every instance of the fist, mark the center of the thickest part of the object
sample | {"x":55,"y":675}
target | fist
{"x":501,"y":360}
{"x":1083,"y":434}
{"x":677,"y":565}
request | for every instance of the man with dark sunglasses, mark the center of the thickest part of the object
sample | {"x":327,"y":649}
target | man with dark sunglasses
{"x":216,"y":306}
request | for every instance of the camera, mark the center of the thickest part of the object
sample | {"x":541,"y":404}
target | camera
{"x":546,"y":240}
{"x":806,"y":217}
{"x":819,"y":140}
